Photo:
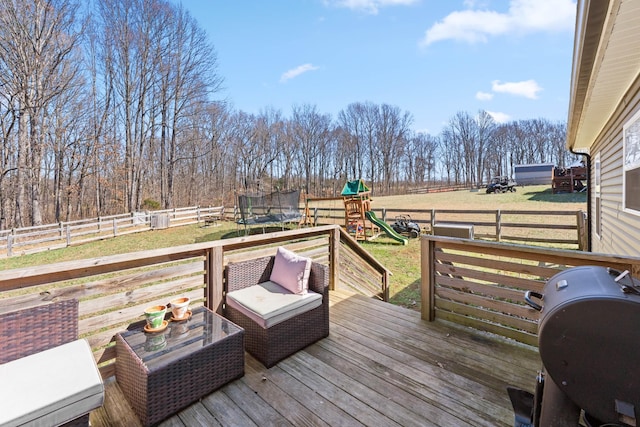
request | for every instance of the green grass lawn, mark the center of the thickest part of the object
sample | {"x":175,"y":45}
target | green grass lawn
{"x":402,"y":260}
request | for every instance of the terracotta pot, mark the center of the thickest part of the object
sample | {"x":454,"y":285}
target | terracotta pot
{"x":179,"y":307}
{"x":155,"y":315}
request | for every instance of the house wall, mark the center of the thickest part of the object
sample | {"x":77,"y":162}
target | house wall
{"x":620,"y":230}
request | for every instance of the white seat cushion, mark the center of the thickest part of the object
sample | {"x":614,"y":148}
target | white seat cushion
{"x":268,"y":303}
{"x":51,"y":387}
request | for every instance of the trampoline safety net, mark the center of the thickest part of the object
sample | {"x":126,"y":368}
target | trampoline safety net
{"x":274,"y":208}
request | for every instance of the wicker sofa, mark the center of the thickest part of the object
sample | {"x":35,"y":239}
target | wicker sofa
{"x":49,"y":375}
{"x":272,"y":344}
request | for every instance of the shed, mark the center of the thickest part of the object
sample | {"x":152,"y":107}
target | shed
{"x":534,"y":174}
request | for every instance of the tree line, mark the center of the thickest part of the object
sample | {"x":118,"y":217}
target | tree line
{"x":115,"y":106}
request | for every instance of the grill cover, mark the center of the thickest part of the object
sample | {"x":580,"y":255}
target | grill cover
{"x":589,"y":341}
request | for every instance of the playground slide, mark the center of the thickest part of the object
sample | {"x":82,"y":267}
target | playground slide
{"x":386,"y":227}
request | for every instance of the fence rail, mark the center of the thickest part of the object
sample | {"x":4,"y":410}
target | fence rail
{"x":54,"y":236}
{"x":566,"y":229}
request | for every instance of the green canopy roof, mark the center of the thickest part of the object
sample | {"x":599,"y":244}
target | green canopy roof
{"x":353,"y":188}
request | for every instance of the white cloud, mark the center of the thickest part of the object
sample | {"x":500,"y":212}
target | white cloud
{"x":499,"y":117}
{"x":474,"y":25}
{"x":484,"y":96}
{"x":368,"y":6}
{"x":528,"y":88}
{"x":295,"y":72}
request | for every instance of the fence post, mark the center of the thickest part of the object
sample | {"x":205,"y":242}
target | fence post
{"x":115,"y":227}
{"x":68,"y":235}
{"x":10,"y":243}
{"x":433,"y":219}
{"x":384,"y":214}
{"x":581,"y":218}
{"x":498,"y":225}
{"x":315,"y":216}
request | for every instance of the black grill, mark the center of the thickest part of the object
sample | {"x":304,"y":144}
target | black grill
{"x":589,"y":342}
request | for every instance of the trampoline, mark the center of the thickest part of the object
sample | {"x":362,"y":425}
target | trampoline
{"x":280,"y":207}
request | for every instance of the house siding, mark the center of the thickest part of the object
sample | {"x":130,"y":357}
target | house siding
{"x":620,"y":233}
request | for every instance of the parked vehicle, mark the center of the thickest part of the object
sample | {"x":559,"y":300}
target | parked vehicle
{"x":405,"y":226}
{"x":500,"y":184}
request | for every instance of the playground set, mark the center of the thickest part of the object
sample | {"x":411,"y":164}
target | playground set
{"x":359,"y":220}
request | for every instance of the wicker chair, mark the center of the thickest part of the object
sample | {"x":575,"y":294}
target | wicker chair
{"x":271,"y":345}
{"x":31,"y":331}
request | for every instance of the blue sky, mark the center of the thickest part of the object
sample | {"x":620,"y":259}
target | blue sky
{"x":431,"y":58}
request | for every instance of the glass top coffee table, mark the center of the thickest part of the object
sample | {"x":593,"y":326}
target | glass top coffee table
{"x":163,"y":372}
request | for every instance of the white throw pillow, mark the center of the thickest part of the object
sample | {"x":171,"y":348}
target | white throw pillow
{"x":291,"y":271}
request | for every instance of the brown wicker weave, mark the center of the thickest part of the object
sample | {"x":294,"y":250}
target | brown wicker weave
{"x":271,"y":345}
{"x":35,"y":329}
{"x":184,"y":363}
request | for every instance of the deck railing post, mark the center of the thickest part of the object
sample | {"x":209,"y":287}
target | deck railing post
{"x":427,"y":282}
{"x":213,"y":278}
{"x":334,"y":258}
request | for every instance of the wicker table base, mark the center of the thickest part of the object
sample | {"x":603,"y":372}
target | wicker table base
{"x":162,"y":373}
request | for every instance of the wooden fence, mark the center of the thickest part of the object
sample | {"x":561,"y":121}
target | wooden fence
{"x":113,"y":291}
{"x":21,"y":241}
{"x":482,"y":284}
{"x":439,"y":188}
{"x":565,"y":229}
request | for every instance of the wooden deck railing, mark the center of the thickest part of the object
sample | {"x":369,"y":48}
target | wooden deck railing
{"x":562,"y":228}
{"x":113,"y":291}
{"x":482,"y":284}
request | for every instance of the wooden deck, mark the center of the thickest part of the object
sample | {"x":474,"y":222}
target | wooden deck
{"x":381,"y":366}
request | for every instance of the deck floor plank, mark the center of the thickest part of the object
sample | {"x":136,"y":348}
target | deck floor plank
{"x":254,"y":406}
{"x":196,"y":415}
{"x":304,"y":394}
{"x":464,"y":397}
{"x":227,"y":411}
{"x":380,"y":366}
{"x":298,"y":366}
{"x":478,"y":362}
{"x":286,"y":397}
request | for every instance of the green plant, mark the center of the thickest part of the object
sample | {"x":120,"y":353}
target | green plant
{"x":150,"y":204}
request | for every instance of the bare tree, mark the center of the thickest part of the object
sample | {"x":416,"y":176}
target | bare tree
{"x":393,"y":130}
{"x":311,"y":134}
{"x":187,"y":77}
{"x":36,"y":40}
